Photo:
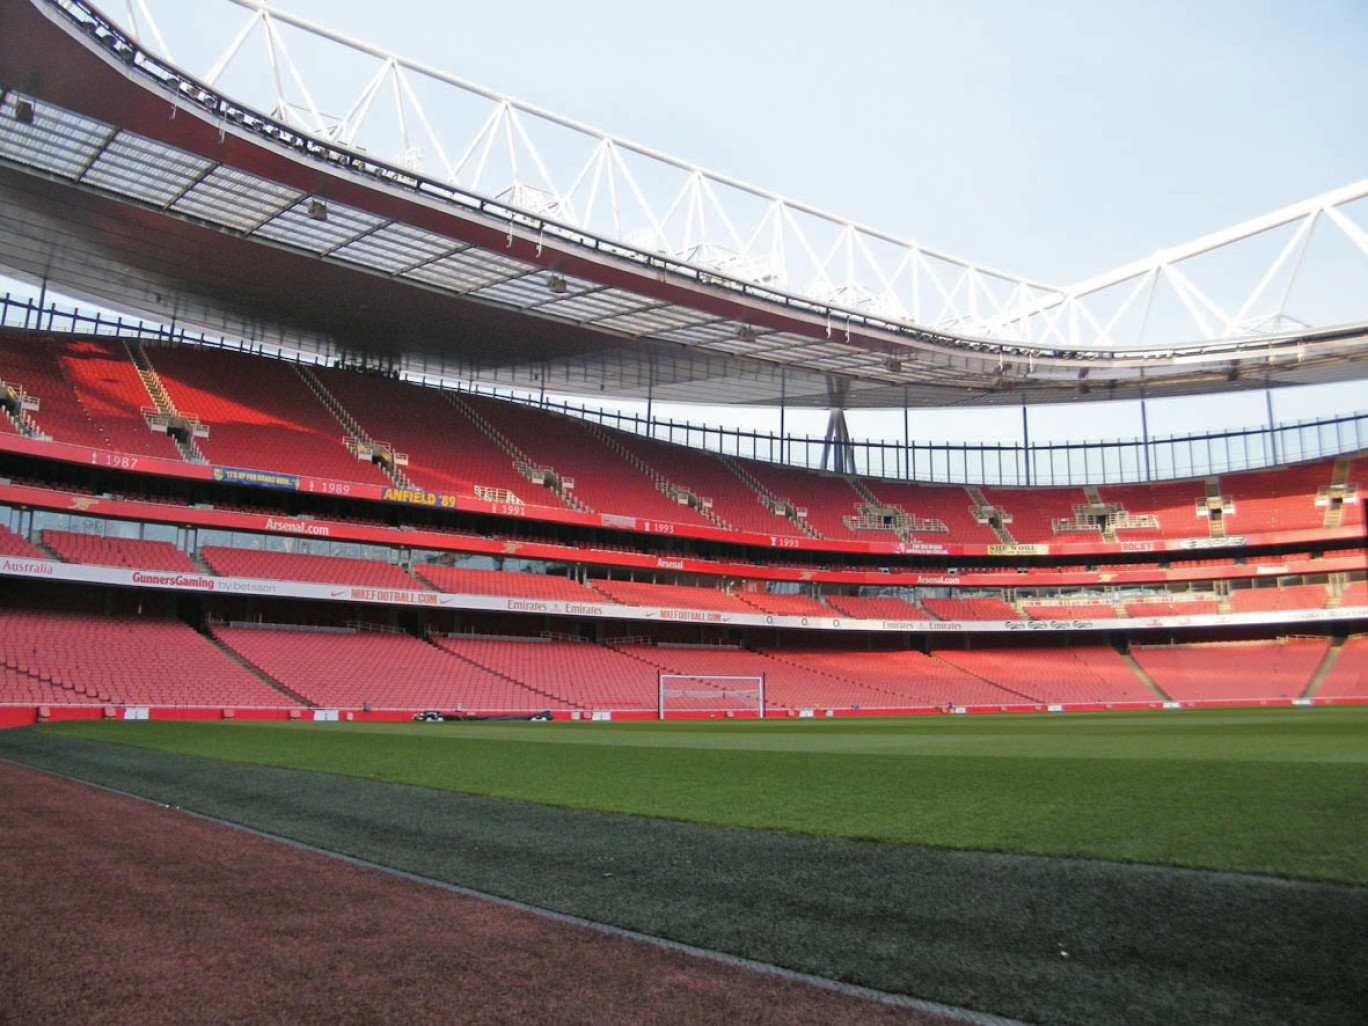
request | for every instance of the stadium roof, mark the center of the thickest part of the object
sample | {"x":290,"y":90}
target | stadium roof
{"x":126,"y":180}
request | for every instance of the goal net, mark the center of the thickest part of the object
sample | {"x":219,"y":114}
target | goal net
{"x":709,"y":694}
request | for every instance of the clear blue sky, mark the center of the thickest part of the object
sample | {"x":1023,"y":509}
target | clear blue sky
{"x":1053,"y":140}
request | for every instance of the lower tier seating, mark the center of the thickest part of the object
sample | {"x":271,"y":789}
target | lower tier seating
{"x":67,"y":658}
{"x":1233,"y":671}
{"x":567,"y":674}
{"x":1348,"y":678}
{"x":389,"y":671}
{"x":1085,"y":675}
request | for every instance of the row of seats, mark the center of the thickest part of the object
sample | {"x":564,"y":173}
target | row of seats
{"x":86,"y":659}
{"x":262,"y":414}
{"x":77,"y":547}
{"x":69,"y":658}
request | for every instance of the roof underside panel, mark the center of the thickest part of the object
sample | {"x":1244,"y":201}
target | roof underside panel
{"x":218,"y":224}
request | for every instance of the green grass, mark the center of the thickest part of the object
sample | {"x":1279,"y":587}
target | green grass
{"x":1279,"y":791}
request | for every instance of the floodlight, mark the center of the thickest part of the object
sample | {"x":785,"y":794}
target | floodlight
{"x":23,"y":112}
{"x":318,"y":210}
{"x":556,"y":284}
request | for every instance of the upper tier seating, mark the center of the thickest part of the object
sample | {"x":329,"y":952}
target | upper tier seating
{"x":784,"y":605}
{"x":446,"y":451}
{"x":879,"y":607}
{"x":27,"y":362}
{"x":1086,"y":675}
{"x":950,"y":504}
{"x":904,"y":679}
{"x":1259,"y":600}
{"x":56,"y":658}
{"x":604,"y":481}
{"x":1276,"y":500}
{"x":390,"y":671}
{"x":261,"y":415}
{"x":571,"y":674}
{"x":669,"y":596}
{"x":1088,"y":611}
{"x":1348,"y":678}
{"x":74,"y":547}
{"x":457,"y":580}
{"x":734,"y":502}
{"x":1034,"y":510}
{"x":1233,"y":671}
{"x":969,"y":609}
{"x":12,"y":544}
{"x":111,"y":391}
{"x":787,"y":686}
{"x":296,"y":566}
{"x":826,"y":497}
{"x":1173,"y":504}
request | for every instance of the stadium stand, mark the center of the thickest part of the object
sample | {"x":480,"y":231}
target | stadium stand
{"x":828,"y":499}
{"x":1276,"y":500}
{"x":969,"y":609}
{"x":463,"y":581}
{"x":570,"y":674}
{"x":296,"y":566}
{"x":260,"y":413}
{"x":1268,"y":600}
{"x":905,"y":679}
{"x":32,"y":365}
{"x":1091,"y":674}
{"x":1355,"y":593}
{"x":446,"y":451}
{"x":1172,"y":607}
{"x":1233,"y":671}
{"x":604,"y":480}
{"x":332,"y":668}
{"x":1079,"y":611}
{"x":784,"y":605}
{"x":787,"y":686}
{"x":1173,"y":505}
{"x":1348,"y":678}
{"x":879,"y":607}
{"x":669,"y":596}
{"x":107,"y":384}
{"x":949,"y":505}
{"x":1034,"y":512}
{"x":75,"y":547}
{"x":734,"y":502}
{"x":12,"y":544}
{"x":62,"y":658}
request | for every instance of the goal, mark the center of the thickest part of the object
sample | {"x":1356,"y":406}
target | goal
{"x":710,"y":694}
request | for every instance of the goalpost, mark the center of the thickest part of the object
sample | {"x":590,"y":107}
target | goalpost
{"x":700,"y":694}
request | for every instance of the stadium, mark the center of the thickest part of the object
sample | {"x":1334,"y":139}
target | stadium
{"x":306,"y":437}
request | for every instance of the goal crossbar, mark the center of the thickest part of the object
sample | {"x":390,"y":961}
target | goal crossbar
{"x":712,"y":692}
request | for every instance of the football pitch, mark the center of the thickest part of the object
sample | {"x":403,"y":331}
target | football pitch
{"x":1271,"y":791}
{"x":1184,"y":867}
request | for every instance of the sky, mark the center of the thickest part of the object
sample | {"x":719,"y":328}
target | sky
{"x":1051,"y":140}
